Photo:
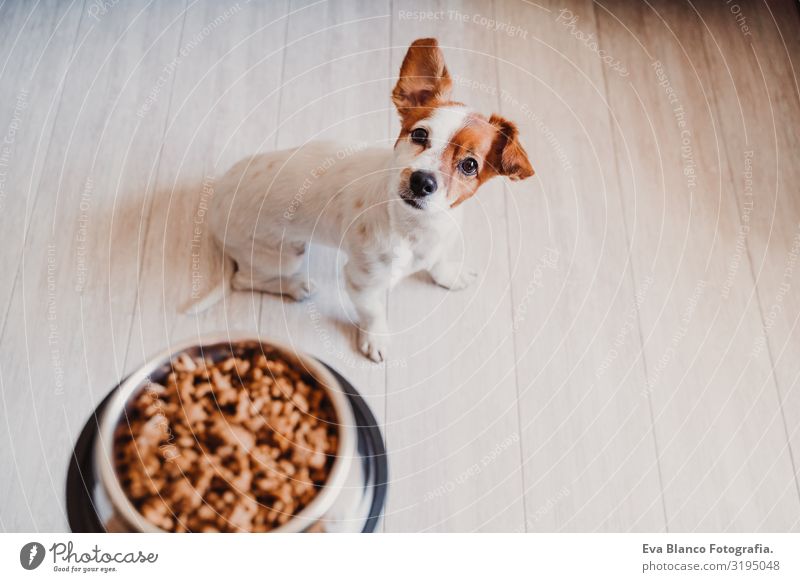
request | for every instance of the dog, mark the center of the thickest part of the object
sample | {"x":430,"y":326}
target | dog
{"x":394,"y":212}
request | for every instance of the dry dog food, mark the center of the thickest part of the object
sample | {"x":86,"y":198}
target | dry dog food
{"x":241,"y":444}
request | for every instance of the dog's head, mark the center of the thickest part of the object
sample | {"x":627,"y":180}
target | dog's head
{"x":445,"y":151}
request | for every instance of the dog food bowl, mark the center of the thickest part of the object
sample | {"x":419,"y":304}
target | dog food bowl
{"x":351,"y":500}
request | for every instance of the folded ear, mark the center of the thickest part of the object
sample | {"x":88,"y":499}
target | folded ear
{"x":508,"y":157}
{"x":424,"y":79}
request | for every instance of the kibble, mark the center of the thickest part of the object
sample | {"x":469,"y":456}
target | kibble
{"x":239,"y":444}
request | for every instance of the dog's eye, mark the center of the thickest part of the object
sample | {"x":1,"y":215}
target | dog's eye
{"x":468,"y":166}
{"x":419,"y":136}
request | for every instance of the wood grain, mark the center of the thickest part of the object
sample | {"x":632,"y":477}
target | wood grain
{"x":34,"y":59}
{"x":70,"y":312}
{"x":626,"y":360}
{"x":717,"y":415}
{"x":588,"y":449}
{"x":753,"y":91}
{"x":223,"y":105}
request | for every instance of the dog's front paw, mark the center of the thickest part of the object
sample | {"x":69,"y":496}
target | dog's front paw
{"x":453,"y":276}
{"x":372,"y":345}
{"x":464,"y":280}
{"x":301,"y":289}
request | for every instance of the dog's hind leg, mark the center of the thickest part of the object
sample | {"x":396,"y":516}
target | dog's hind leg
{"x":274,"y":270}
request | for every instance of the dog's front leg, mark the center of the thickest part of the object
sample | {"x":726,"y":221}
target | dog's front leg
{"x":449,"y":273}
{"x":368,"y":289}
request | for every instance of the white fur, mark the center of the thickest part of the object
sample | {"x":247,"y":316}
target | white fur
{"x":266,"y":210}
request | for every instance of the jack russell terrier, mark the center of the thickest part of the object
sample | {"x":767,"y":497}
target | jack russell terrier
{"x":392,"y":211}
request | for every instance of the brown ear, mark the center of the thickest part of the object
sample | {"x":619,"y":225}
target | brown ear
{"x":424,"y":79}
{"x":508,"y":157}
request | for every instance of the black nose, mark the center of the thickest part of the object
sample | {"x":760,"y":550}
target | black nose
{"x":422,"y":183}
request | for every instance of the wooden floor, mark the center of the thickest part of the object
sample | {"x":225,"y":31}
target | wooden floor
{"x":628,"y":361}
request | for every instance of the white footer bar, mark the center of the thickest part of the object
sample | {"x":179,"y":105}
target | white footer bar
{"x":403,"y":557}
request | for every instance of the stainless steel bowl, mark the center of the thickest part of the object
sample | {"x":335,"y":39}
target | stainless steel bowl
{"x":343,"y":503}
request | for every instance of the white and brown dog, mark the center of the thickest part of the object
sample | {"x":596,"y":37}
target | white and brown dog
{"x":393,"y":212}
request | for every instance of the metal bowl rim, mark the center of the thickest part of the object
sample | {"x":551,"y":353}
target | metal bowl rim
{"x":311,"y":513}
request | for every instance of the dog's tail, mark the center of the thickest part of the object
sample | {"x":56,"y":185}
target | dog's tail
{"x":215,"y":294}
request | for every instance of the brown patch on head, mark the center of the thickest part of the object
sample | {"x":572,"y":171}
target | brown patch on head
{"x":424,"y":81}
{"x":424,"y":85}
{"x":359,"y":203}
{"x":473,"y":140}
{"x":362,"y":230}
{"x":494,"y":145}
{"x":508,"y":157}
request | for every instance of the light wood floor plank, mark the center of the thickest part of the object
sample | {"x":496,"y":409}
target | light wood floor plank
{"x":588,"y":449}
{"x":38,"y":43}
{"x":758,"y":115}
{"x":717,"y":416}
{"x":70,"y":313}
